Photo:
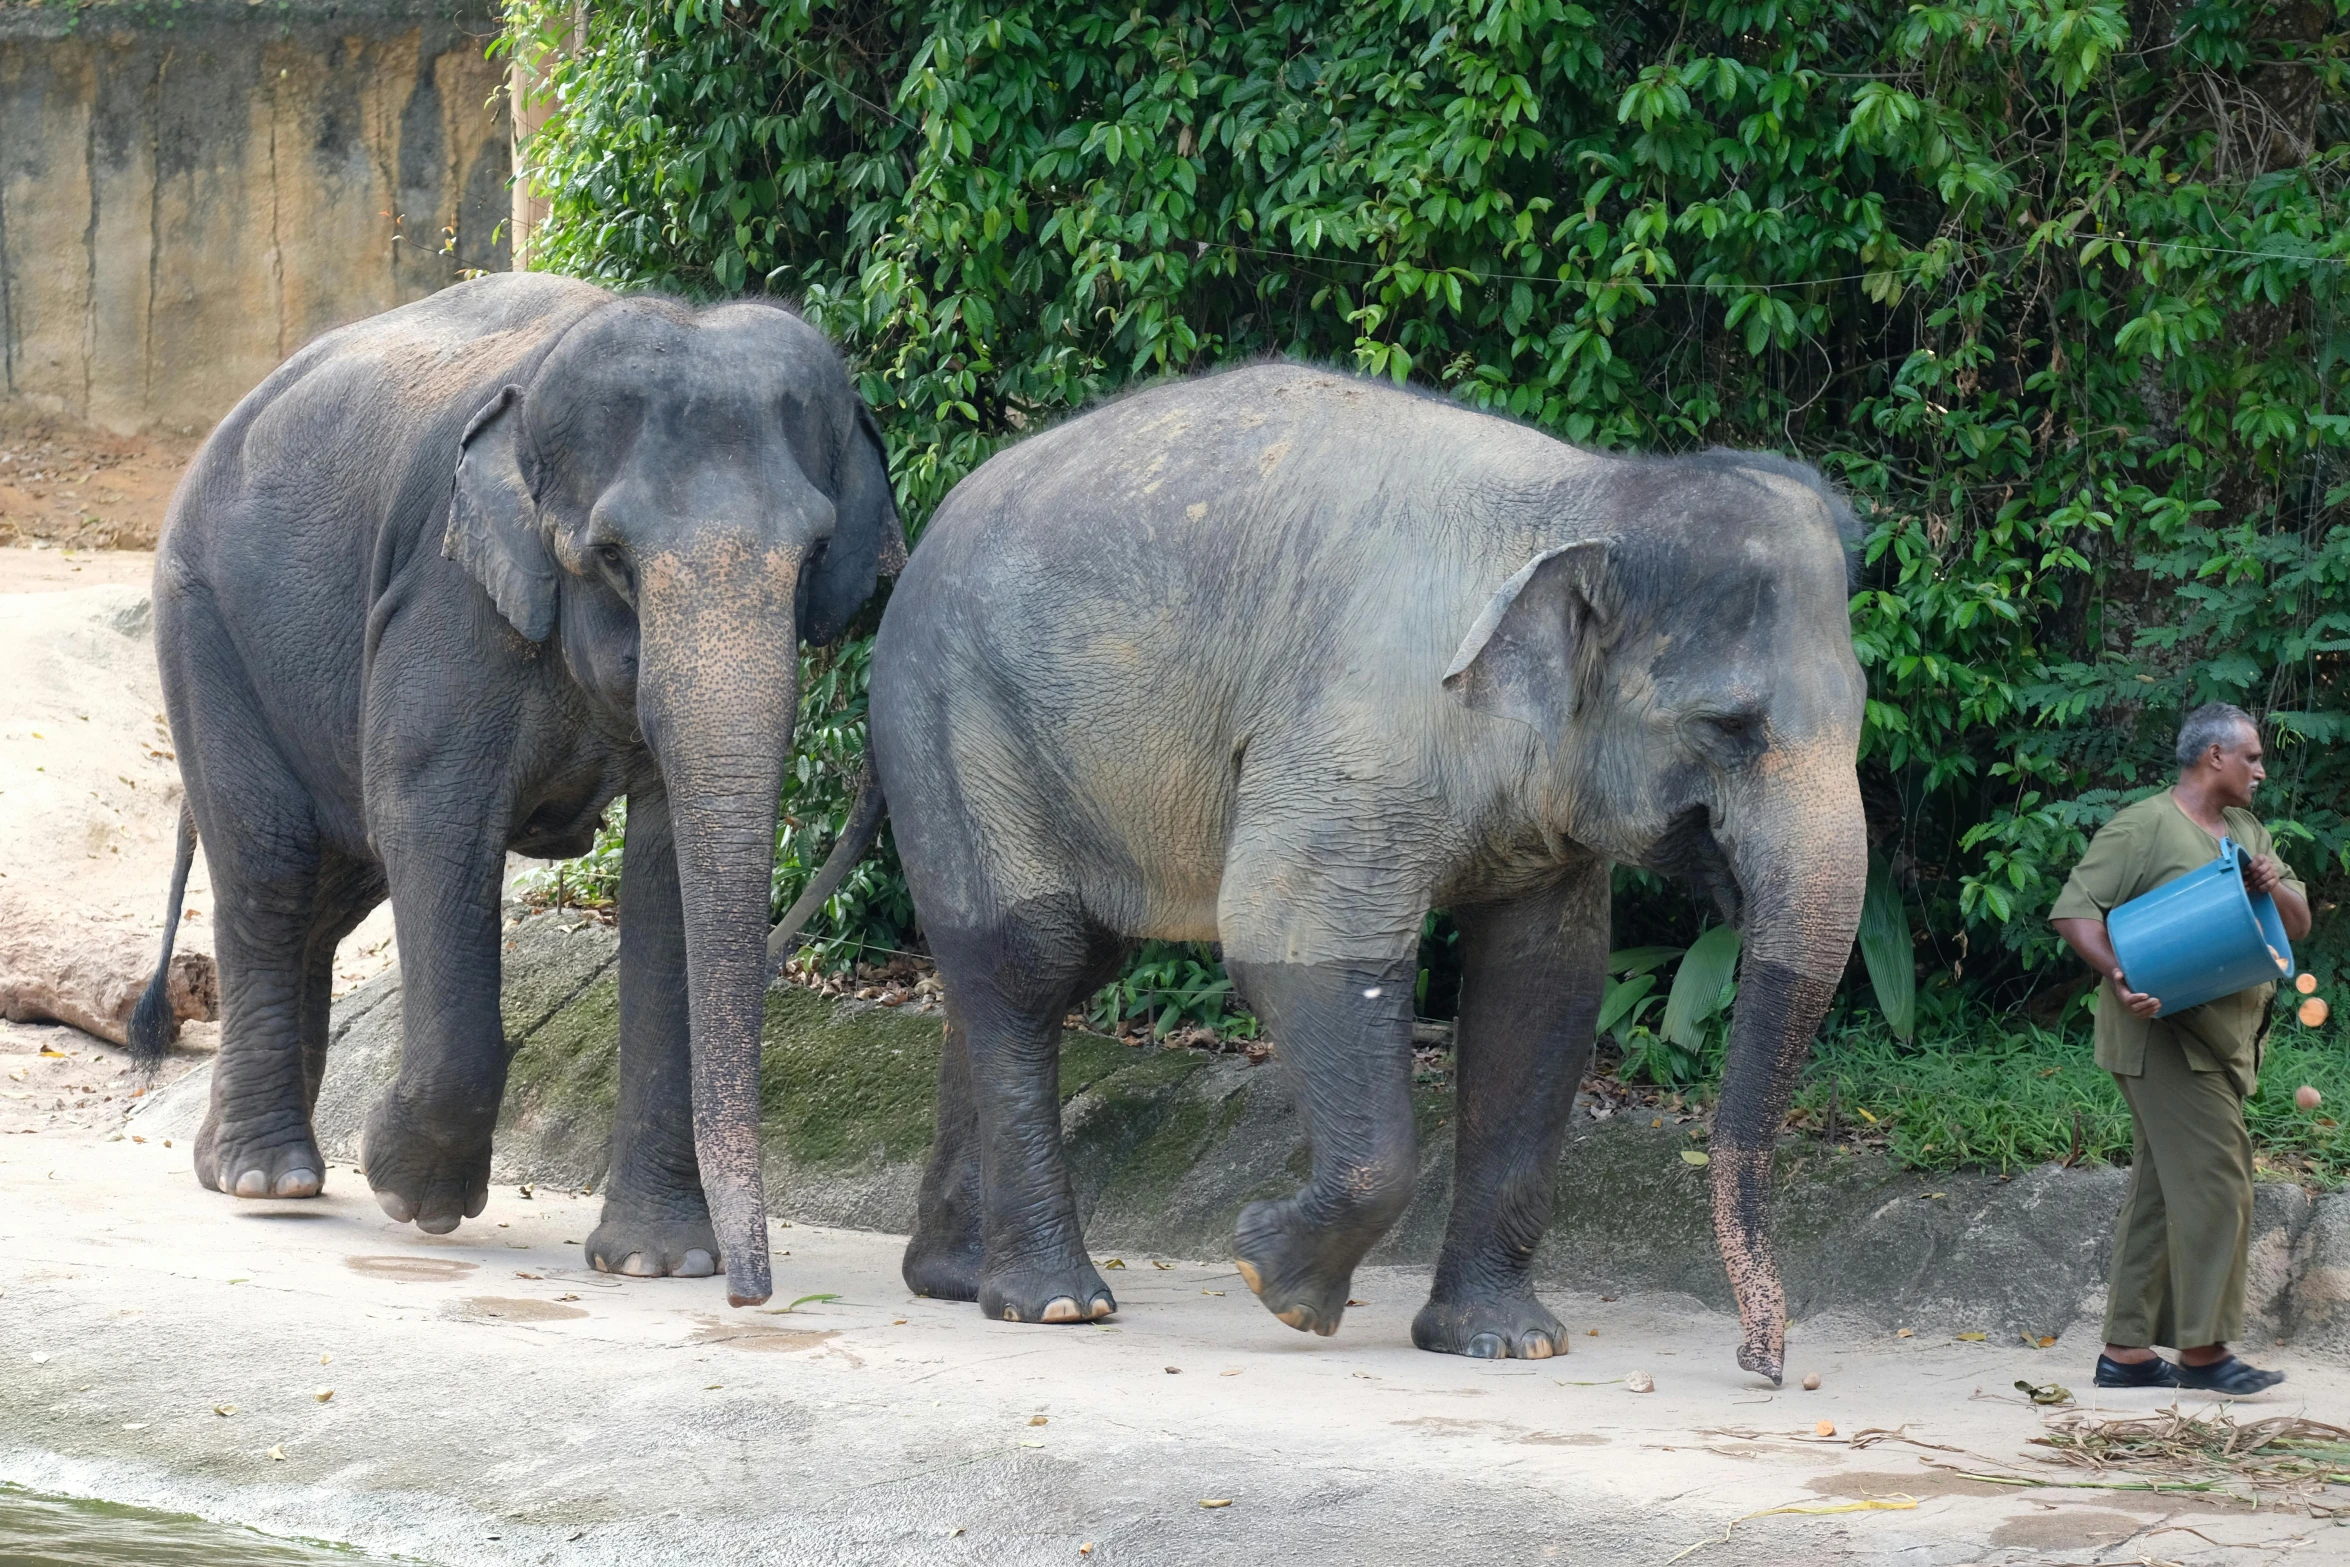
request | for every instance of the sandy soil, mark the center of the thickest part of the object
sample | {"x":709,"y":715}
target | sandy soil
{"x":89,"y":782}
{"x":313,"y":1368}
{"x":71,"y":484}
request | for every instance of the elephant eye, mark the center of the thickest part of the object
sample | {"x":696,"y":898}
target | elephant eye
{"x":611,"y":555}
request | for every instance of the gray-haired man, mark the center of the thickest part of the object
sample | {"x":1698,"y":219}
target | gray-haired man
{"x":2179,"y":1250}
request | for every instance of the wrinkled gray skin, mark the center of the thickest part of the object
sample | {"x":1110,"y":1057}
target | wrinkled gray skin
{"x":1283,"y":659}
{"x":442,"y":586}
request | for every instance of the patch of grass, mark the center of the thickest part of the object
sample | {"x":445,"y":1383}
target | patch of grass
{"x":2008,"y":1096}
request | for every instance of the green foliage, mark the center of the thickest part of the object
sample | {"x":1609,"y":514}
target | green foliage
{"x":1996,"y":1094}
{"x":2055,"y":290}
{"x":1172,"y":985}
{"x":1887,"y":951}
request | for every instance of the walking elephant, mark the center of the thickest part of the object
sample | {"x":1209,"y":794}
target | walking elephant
{"x":1282,"y":658}
{"x":445,"y":584}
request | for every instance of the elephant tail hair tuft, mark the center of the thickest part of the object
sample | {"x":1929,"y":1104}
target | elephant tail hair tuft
{"x":154,"y":1024}
{"x":863,"y":825}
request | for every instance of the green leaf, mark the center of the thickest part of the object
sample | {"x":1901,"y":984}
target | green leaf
{"x":1705,"y":971}
{"x":1620,"y":997}
{"x":1886,"y":950}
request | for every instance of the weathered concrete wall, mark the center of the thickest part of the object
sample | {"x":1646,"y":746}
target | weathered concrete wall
{"x":192,"y":189}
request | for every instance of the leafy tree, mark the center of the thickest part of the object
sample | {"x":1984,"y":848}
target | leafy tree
{"x":2055,"y":288}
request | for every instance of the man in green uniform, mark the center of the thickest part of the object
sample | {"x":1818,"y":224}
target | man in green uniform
{"x":2179,"y":1249}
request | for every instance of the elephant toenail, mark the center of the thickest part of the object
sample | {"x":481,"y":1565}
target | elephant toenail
{"x":1103,"y":1306}
{"x":397,"y":1206}
{"x":252,"y":1184}
{"x":1011,"y":1313}
{"x":438,"y":1224}
{"x":697,"y":1264}
{"x":298,"y":1183}
{"x":1536,"y":1346}
{"x":1298,"y":1317}
{"x":636,"y":1267}
{"x":1255,"y":1282}
{"x":1061,"y":1308}
{"x":1485,"y":1346}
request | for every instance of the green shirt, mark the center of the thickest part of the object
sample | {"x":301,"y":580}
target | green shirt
{"x":2144,"y":846}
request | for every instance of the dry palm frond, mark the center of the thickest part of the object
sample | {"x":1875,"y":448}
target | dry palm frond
{"x":2284,"y":1453}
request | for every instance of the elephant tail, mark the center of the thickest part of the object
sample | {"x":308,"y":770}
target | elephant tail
{"x":864,"y":823}
{"x":154,"y":1024}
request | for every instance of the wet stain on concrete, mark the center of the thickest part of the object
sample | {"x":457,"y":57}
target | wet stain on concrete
{"x":411,"y":1270}
{"x":514,"y":1308}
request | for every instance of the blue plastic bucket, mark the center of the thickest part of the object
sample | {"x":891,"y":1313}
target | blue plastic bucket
{"x":2200,"y":936}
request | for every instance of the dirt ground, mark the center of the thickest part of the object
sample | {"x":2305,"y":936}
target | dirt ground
{"x":482,"y":1397}
{"x":70,"y":484}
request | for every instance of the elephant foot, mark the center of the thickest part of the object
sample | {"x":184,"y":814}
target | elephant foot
{"x":437,"y":1179}
{"x":1072,"y":1292}
{"x":1301,"y":1274}
{"x":651,"y":1246}
{"x":258,"y":1163}
{"x":1512,"y":1326}
{"x":942,"y":1266}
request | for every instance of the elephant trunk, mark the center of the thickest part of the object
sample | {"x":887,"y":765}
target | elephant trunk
{"x":1800,"y":883}
{"x":717,"y":693}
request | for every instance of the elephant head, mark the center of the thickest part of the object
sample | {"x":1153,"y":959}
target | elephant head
{"x":1692,"y":676}
{"x":676,"y":499}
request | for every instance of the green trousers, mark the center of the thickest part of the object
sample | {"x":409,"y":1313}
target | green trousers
{"x":2179,"y":1248}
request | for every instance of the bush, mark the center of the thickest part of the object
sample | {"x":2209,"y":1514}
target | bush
{"x":2055,"y":288}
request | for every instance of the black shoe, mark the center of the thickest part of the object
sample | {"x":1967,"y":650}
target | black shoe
{"x":2135,"y":1373}
{"x":2230,"y":1378}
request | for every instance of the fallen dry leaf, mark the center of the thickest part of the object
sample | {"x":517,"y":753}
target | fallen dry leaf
{"x":1216,"y":1501}
{"x":1903,"y":1333}
{"x":324,"y":1394}
{"x":278,"y":1454}
{"x":1113,"y":1262}
{"x":224,"y":1410}
{"x":1037,"y":1420}
{"x":1693,"y":1157}
{"x":1973,"y":1338}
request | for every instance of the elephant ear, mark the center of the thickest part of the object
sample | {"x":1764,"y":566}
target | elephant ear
{"x":494,"y":519}
{"x":1524,"y":657}
{"x":866,"y":539}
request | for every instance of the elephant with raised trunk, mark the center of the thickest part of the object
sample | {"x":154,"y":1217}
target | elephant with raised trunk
{"x":1282,"y":659}
{"x":442,"y":586}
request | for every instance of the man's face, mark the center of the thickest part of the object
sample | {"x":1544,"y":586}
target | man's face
{"x":2234,"y":771}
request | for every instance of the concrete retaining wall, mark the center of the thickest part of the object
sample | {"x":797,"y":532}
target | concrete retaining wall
{"x":191,"y":189}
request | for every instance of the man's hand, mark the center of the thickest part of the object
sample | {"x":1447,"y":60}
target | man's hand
{"x":2262,"y":874}
{"x":2139,"y":1003}
{"x":2088,"y":939}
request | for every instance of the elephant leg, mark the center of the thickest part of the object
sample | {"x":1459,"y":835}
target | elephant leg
{"x":944,"y":1255}
{"x":260,"y":836}
{"x":348,"y":889}
{"x":426,"y":1147}
{"x":1532,"y":970}
{"x":656,"y":1220}
{"x":1343,"y":1029}
{"x":1009,"y":985}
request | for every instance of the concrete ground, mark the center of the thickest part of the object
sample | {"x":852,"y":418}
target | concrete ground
{"x":311,"y":1368}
